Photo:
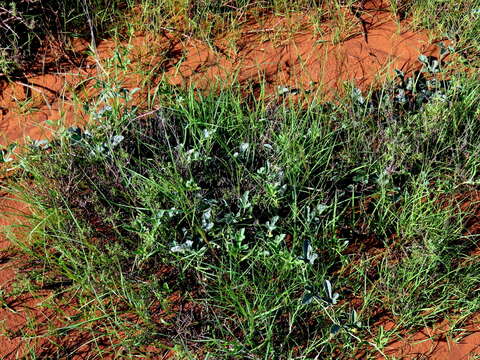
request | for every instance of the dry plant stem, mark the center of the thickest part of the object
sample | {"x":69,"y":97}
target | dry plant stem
{"x":93,"y":44}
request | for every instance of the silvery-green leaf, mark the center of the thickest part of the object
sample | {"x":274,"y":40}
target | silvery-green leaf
{"x":282,"y":90}
{"x":357,"y":95}
{"x":431,"y":64}
{"x":98,"y":150}
{"x":187,"y":245}
{"x":244,"y":147}
{"x":423,"y":59}
{"x":41,"y":144}
{"x":303,"y":257}
{"x":410,"y":84}
{"x":117,"y":139}
{"x":328,"y":288}
{"x":241,"y":235}
{"x":435,"y":66}
{"x":353,"y":317}
{"x":206,"y":223}
{"x":4,"y":156}
{"x":335,"y":329}
{"x":275,"y":219}
{"x":321,"y":208}
{"x":207,"y":214}
{"x":172,"y":212}
{"x":401,"y":97}
{"x":244,"y":202}
{"x":279,"y":238}
{"x":262,"y":170}
{"x":335,"y":298}
{"x":208,"y":226}
{"x":308,"y":254}
{"x":207,"y":133}
{"x":271,"y":225}
{"x":307,"y":298}
{"x":104,"y":110}
{"x":311,"y":256}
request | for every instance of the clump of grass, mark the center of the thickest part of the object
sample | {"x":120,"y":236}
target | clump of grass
{"x":28,"y":25}
{"x":458,"y":21}
{"x":236,"y":229}
{"x":18,"y":39}
{"x":210,"y":18}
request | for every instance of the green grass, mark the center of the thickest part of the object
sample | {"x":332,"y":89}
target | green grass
{"x":214,"y":223}
{"x":30,"y":25}
{"x":458,"y":22}
{"x":196,"y":227}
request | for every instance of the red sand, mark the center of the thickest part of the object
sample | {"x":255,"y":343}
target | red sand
{"x":437,"y":344}
{"x":302,"y":60}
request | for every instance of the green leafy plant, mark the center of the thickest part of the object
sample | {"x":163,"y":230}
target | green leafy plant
{"x":330,"y":298}
{"x":309,"y":256}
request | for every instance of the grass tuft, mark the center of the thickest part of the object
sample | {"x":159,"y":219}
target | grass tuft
{"x":240,"y":230}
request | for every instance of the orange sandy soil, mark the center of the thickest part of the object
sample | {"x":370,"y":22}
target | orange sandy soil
{"x":303,"y":59}
{"x":437,"y":343}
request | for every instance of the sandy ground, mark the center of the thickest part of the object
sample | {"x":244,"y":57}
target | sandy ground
{"x":303,"y":60}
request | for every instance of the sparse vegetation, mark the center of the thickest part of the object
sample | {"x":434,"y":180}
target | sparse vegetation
{"x":28,"y":25}
{"x":225,"y":226}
